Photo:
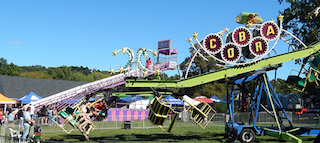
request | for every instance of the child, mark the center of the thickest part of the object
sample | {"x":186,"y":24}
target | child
{"x":67,"y":120}
{"x":11,"y":118}
{"x":148,"y":63}
{"x":87,"y":122}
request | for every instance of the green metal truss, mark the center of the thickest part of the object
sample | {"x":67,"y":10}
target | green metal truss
{"x":226,"y":73}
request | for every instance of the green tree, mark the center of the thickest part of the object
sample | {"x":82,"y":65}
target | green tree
{"x":10,"y":69}
{"x":300,"y":18}
{"x":63,"y":73}
{"x":33,"y":68}
{"x":36,"y":74}
{"x":304,"y":22}
{"x":175,"y":77}
{"x":3,"y":62}
{"x":81,"y":69}
{"x":78,"y":76}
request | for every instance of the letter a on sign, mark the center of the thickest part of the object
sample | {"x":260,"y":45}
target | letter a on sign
{"x":270,"y":30}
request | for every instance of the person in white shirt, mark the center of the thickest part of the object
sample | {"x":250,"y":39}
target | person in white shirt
{"x":26,"y":123}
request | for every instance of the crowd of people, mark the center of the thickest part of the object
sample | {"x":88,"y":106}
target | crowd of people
{"x":12,"y":117}
{"x":24,"y":117}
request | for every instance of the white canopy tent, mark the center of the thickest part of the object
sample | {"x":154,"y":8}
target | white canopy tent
{"x":139,"y":104}
{"x":189,"y":100}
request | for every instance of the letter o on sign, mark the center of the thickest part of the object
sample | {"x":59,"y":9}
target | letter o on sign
{"x":230,"y":52}
{"x":213,"y":43}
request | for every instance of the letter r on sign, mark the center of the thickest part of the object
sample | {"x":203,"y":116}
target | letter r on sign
{"x":258,"y":46}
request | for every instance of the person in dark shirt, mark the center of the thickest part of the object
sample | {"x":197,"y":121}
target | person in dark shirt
{"x":9,"y":109}
{"x":43,"y":115}
{"x":20,"y":117}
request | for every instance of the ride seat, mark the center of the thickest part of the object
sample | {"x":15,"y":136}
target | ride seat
{"x":201,"y":113}
{"x":159,"y":112}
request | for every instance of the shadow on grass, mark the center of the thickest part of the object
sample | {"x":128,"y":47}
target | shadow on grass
{"x":190,"y":136}
{"x":264,"y":139}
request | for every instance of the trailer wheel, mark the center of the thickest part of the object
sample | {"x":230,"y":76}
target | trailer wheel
{"x":247,"y":136}
{"x":230,"y":135}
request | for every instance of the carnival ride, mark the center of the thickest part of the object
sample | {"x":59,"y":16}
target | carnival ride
{"x":307,"y":79}
{"x":246,"y":56}
{"x":68,"y":102}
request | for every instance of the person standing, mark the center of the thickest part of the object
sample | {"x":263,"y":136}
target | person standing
{"x":33,"y":117}
{"x":50,"y":115}
{"x":43,"y":115}
{"x":11,"y":119}
{"x":9,"y":109}
{"x":148,"y":63}
{"x":1,"y":116}
{"x":20,"y":117}
{"x":54,"y":112}
{"x":27,"y":123}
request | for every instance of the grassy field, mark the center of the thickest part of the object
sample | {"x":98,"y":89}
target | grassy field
{"x":178,"y":134}
{"x":181,"y":132}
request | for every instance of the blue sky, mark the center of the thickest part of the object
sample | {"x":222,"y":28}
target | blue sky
{"x":83,"y":33}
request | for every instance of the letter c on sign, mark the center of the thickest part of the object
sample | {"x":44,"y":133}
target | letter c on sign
{"x":212,"y":44}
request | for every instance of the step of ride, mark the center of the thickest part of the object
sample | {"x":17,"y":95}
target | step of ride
{"x":283,"y":135}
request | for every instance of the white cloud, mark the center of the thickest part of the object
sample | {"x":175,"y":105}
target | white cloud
{"x":16,"y":42}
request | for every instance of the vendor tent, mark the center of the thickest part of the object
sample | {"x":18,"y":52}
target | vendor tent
{"x":173,"y":101}
{"x":203,"y":98}
{"x":6,"y":100}
{"x":131,"y":99}
{"x":136,"y":98}
{"x":30,"y":97}
{"x":139,"y":104}
{"x":216,"y":99}
{"x":190,"y":100}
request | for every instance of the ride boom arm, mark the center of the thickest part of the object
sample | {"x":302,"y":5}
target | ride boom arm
{"x":225,"y":73}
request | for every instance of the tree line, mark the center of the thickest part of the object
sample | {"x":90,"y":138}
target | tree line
{"x":72,"y":73}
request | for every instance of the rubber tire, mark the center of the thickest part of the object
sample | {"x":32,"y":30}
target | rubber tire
{"x":230,"y":136}
{"x":247,"y":136}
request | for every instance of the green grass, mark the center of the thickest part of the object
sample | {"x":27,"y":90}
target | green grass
{"x":178,"y":134}
{"x":144,"y":131}
{"x":185,"y":134}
